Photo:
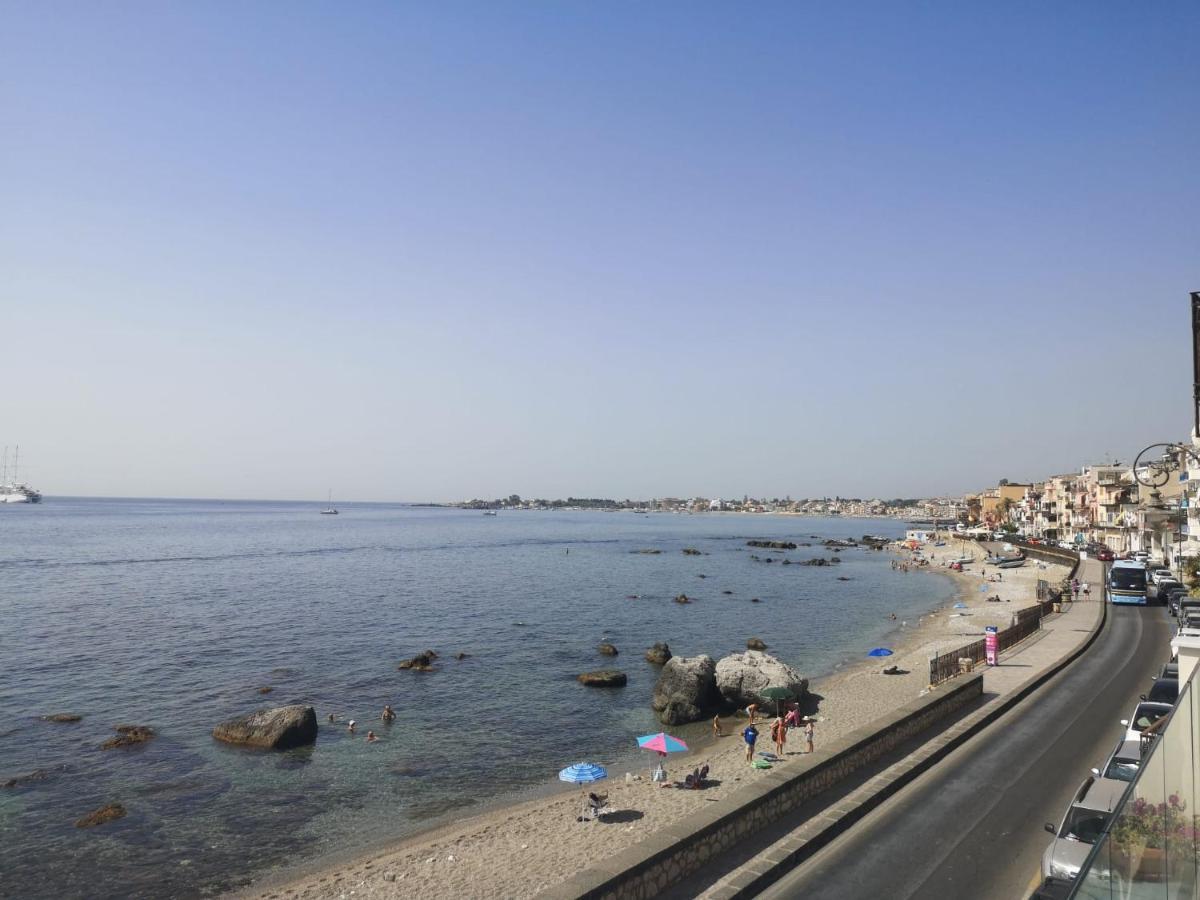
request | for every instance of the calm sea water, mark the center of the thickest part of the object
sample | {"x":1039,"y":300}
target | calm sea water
{"x":173,"y":613}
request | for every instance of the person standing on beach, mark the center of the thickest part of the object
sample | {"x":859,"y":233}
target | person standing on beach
{"x":717,"y":726}
{"x":779,"y":734}
{"x":810,"y":727}
{"x":750,"y":735}
{"x":752,"y":712}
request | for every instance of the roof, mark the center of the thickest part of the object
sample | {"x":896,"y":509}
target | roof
{"x":1104,"y":794}
{"x":1128,"y":749}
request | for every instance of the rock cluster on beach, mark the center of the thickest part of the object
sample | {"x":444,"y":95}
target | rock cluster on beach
{"x":281,"y":728}
{"x":690,"y":689}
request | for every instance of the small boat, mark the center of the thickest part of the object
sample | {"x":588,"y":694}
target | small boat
{"x":489,"y":512}
{"x":962,"y":560}
{"x":329,"y":510}
{"x":1014,"y":563}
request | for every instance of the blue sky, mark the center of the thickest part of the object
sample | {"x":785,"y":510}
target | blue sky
{"x":619,"y":249}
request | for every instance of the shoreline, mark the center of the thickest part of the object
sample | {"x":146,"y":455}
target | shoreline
{"x":510,"y":846}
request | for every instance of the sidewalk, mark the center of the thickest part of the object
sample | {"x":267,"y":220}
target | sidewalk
{"x":1061,"y":638}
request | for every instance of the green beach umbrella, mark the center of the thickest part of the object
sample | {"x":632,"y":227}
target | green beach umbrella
{"x":778,"y":694}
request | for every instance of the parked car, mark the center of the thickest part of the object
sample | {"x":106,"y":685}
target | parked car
{"x":1140,"y":555}
{"x":1170,"y":670}
{"x":1144,"y":715}
{"x":1105,"y":555}
{"x":1082,"y":825}
{"x":1164,"y":690}
{"x":1123,"y":763}
{"x":1158,"y":575}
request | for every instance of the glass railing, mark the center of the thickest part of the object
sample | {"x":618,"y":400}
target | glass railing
{"x":1149,"y":847}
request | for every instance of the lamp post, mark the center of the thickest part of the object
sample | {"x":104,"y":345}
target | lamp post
{"x":1155,"y":465}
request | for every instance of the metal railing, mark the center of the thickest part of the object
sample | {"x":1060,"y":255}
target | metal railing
{"x":946,"y":665}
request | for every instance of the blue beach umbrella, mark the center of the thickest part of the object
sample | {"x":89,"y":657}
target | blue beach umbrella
{"x":880,"y":651}
{"x":583,"y":773}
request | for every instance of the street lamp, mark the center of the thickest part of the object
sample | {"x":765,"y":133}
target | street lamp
{"x":1161,"y":461}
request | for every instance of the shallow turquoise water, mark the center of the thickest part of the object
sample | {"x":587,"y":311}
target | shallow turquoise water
{"x":173,"y":613}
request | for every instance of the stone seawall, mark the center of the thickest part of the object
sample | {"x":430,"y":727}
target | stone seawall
{"x":651,"y":866}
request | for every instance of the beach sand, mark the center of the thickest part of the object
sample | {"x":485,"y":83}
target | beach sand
{"x":524,"y":848}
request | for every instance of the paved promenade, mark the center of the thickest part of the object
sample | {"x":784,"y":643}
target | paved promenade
{"x":1020,"y":671}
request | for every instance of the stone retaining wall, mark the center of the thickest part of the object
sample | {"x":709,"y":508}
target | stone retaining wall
{"x":651,"y":866}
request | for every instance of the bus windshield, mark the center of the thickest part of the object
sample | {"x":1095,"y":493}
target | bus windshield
{"x":1131,"y":579}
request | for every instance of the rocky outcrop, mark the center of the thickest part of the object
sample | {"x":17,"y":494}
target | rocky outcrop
{"x":756,"y":644}
{"x":647,"y":552}
{"x":63,"y":717}
{"x":128,"y":736}
{"x":422,"y":662}
{"x":683,"y":598}
{"x":100,"y":816}
{"x":606,"y":649}
{"x":280,"y":728}
{"x":742,"y":677}
{"x":686,"y":690}
{"x":659,"y":654}
{"x":27,"y":778}
{"x":819,"y":561}
{"x":603,"y":678}
{"x":460,"y":655}
{"x":691,"y":551}
{"x":772,"y":545}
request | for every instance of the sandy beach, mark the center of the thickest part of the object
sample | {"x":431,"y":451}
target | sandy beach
{"x":522,"y":849}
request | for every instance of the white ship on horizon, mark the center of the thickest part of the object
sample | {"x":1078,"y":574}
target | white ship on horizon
{"x":12,"y":489}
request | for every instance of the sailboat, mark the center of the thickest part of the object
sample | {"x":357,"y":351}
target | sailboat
{"x":329,"y":510}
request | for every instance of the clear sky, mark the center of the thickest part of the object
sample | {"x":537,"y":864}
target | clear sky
{"x":448,"y":250}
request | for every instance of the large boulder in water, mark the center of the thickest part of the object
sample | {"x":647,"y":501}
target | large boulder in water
{"x":742,"y":677}
{"x":686,"y":690}
{"x":271,"y":729}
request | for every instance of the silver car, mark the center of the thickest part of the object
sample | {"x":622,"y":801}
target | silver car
{"x":1082,"y":825}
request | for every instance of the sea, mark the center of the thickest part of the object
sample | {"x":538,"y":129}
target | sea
{"x":175,"y":614}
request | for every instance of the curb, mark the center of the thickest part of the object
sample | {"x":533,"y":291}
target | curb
{"x":755,"y":882}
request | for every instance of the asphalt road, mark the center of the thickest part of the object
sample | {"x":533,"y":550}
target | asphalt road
{"x":972,"y":826}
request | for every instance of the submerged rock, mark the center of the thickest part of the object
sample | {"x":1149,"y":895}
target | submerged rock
{"x":773,"y":545}
{"x":461,"y":655}
{"x":742,"y":677}
{"x":683,"y":598}
{"x":422,"y":662}
{"x":691,"y":551}
{"x":100,"y":816}
{"x":647,"y":552}
{"x":128,"y":735}
{"x":606,"y":649}
{"x":603,"y":678}
{"x":27,"y":778}
{"x":280,"y":728}
{"x":63,"y":717}
{"x":265,"y":689}
{"x":658,"y":654}
{"x":686,"y":690}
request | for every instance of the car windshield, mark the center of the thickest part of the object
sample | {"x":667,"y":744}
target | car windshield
{"x":1165,"y":691}
{"x":1122,"y":769}
{"x":1127,"y":579}
{"x":1084,"y":824}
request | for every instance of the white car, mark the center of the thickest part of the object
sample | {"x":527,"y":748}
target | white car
{"x":1145,"y":714}
{"x":1141,"y":556}
{"x":1160,"y":575}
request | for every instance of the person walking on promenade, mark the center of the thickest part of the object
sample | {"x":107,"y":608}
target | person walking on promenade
{"x":1087,"y":591}
{"x":750,"y":735}
{"x":1074,"y":588}
{"x":779,"y":735}
{"x":810,"y":727}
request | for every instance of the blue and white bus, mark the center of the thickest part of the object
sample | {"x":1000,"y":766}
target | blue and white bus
{"x":1127,"y":582}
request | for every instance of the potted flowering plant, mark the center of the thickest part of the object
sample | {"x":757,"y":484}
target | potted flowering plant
{"x":1146,"y":833}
